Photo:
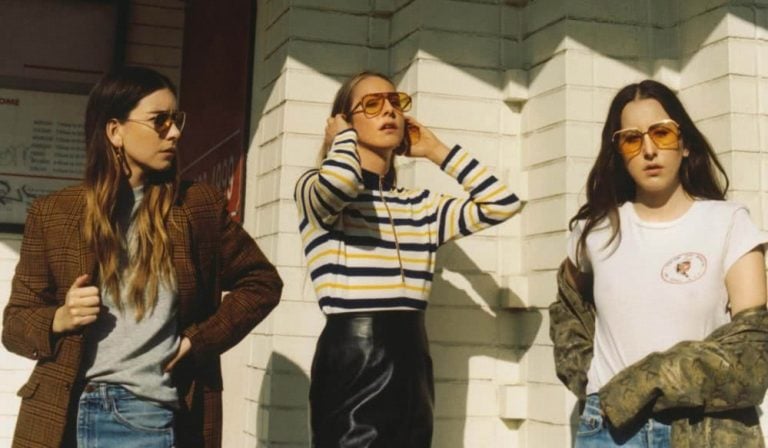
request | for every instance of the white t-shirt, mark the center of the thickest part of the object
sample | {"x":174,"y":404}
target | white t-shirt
{"x":661,"y":282}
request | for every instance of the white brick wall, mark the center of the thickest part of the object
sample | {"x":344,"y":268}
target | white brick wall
{"x":454,"y":56}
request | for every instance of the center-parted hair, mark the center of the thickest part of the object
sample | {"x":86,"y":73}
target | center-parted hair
{"x":609,"y":184}
{"x":106,"y":181}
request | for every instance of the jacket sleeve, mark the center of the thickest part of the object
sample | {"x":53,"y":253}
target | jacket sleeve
{"x":254,"y":289}
{"x":572,"y":330}
{"x":28,"y":317}
{"x":727,"y":370}
{"x":321,"y":194}
{"x":490,"y":201}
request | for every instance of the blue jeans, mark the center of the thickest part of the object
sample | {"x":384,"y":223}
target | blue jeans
{"x":594,"y":433}
{"x":109,"y":415}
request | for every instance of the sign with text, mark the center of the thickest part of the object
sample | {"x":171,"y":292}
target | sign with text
{"x":42,"y":147}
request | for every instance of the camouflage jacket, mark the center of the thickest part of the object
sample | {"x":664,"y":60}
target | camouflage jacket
{"x":711,"y":387}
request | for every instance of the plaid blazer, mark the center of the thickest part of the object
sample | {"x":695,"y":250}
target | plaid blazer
{"x":211,"y":254}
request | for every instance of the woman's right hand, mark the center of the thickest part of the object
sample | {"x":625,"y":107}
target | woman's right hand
{"x":81,"y":306}
{"x":333,"y":126}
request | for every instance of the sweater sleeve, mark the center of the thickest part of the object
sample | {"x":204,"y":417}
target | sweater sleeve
{"x":490,"y":202}
{"x":321,"y":194}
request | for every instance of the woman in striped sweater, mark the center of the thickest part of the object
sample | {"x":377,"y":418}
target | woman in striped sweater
{"x":370,"y":249}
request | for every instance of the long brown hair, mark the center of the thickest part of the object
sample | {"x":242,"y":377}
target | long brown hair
{"x":609,"y":184}
{"x":106,"y":184}
{"x":342,"y":104}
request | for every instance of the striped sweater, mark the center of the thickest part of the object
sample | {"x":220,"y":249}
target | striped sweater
{"x":371,"y":246}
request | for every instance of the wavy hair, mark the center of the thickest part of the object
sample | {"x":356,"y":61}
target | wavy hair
{"x":609,"y":184}
{"x":149,"y":256}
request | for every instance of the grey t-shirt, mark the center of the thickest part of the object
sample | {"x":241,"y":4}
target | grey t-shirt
{"x":120,"y":350}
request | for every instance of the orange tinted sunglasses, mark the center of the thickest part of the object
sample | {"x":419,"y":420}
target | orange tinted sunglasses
{"x":665,"y":135}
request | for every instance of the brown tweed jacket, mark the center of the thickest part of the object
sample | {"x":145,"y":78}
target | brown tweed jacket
{"x":210,"y":254}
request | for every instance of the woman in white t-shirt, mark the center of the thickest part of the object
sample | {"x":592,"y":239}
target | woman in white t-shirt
{"x":663,"y":258}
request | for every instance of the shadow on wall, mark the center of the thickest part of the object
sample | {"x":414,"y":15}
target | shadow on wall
{"x":282,"y":419}
{"x":472,"y":337}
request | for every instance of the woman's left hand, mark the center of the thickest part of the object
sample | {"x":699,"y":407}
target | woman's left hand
{"x":428,"y":145}
{"x":184,"y":347}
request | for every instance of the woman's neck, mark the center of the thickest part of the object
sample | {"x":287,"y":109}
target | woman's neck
{"x":662,"y":206}
{"x":376,"y":161}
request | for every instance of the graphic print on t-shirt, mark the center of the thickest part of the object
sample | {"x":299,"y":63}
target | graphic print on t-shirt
{"x":684,"y":268}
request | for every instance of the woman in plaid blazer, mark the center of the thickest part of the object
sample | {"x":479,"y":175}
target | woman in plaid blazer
{"x":117,"y":294}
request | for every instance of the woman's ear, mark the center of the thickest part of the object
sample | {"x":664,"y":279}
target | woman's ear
{"x":114,"y":132}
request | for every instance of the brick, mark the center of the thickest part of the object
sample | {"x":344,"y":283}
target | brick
{"x":463,"y":288}
{"x":405,"y":21}
{"x":459,"y":113}
{"x":10,"y":246}
{"x":378,"y":32}
{"x":537,"y":15}
{"x":460,"y":48}
{"x":511,"y":259}
{"x":701,"y":30}
{"x":461,"y":363}
{"x":743,"y":170}
{"x":542,"y":287}
{"x":460,"y":325}
{"x":539,"y":365}
{"x":290,"y":390}
{"x":461,"y":16}
{"x":336,"y":27}
{"x":512,"y":53}
{"x":551,"y":403}
{"x":260,"y":350}
{"x":326,"y":57}
{"x":544,"y":110}
{"x":298,"y":319}
{"x":275,"y":9}
{"x":745,"y":132}
{"x":476,"y":253}
{"x":351,"y":6}
{"x":607,"y":10}
{"x":708,"y":63}
{"x":545,"y":251}
{"x":7,"y":425}
{"x":403,"y":53}
{"x":617,"y":40}
{"x":616,"y":73}
{"x":288,"y":426}
{"x":541,"y":45}
{"x":513,"y":402}
{"x":278,"y":33}
{"x":742,"y":57}
{"x":464,"y":399}
{"x":547,"y":434}
{"x":511,"y":21}
{"x":12,"y":377}
{"x":442,"y":78}
{"x":522,"y":328}
{"x":707,"y":100}
{"x":546,"y":215}
{"x":514,"y":292}
{"x":294,"y":353}
{"x":301,"y":150}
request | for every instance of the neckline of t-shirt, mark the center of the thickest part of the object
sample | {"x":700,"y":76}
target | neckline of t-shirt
{"x":659,"y":224}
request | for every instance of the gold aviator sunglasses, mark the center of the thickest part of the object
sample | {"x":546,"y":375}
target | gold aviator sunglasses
{"x":665,"y":135}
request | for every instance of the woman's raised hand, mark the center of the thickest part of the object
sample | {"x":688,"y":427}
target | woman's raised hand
{"x":333,"y":126}
{"x":81,"y":306}
{"x":428,"y":145}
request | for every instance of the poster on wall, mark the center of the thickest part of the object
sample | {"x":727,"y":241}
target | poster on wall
{"x":42,"y":147}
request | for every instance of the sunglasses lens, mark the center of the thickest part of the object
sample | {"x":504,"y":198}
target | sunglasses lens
{"x":372,"y":105}
{"x":179,"y":118}
{"x":403,"y":102}
{"x":664,"y":135}
{"x":414,"y":134}
{"x":630,"y":142}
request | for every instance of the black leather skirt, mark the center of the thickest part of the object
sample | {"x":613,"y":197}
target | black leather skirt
{"x":372,"y":382}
